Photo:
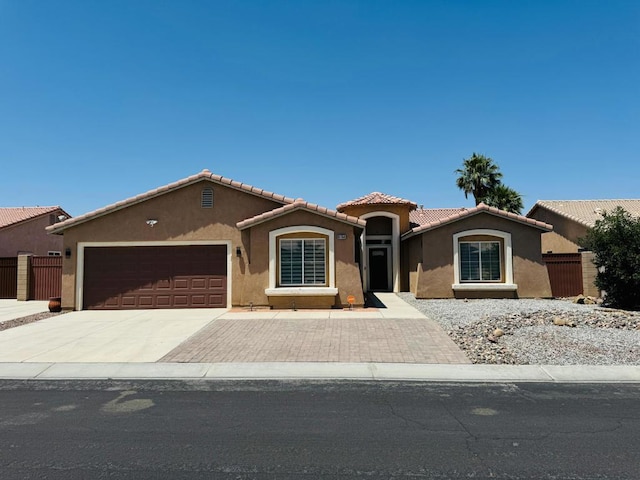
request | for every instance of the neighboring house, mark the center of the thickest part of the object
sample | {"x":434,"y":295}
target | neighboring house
{"x":209,"y":241}
{"x":571,"y":220}
{"x":22,"y":231}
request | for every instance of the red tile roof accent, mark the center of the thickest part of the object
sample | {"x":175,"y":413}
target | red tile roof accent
{"x":586,"y":212}
{"x":423,"y":216}
{"x":12,"y":215}
{"x":299,"y":204}
{"x":203,"y":175}
{"x":463,"y":213}
{"x":377,"y":198}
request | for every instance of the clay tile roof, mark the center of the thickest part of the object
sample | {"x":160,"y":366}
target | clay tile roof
{"x":203,"y":175}
{"x":12,"y":215}
{"x":587,"y":212}
{"x":299,"y":204}
{"x":423,"y":216}
{"x":377,"y":198}
{"x":458,"y":214}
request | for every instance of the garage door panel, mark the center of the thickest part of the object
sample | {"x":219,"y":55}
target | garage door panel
{"x":155,"y":277}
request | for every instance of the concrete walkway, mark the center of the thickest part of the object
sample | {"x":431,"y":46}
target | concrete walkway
{"x":127,"y":345}
{"x":322,"y":371}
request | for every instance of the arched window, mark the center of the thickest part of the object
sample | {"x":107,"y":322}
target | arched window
{"x":482,"y":259}
{"x":301,"y":261}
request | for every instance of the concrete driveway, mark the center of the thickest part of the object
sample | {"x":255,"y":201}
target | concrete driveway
{"x":99,"y":336}
{"x":11,"y":309}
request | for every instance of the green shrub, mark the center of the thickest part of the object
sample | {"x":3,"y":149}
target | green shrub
{"x":615,"y":241}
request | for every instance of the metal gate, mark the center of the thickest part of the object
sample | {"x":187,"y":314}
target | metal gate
{"x":565,"y":273}
{"x":8,"y":277}
{"x":46,"y":278}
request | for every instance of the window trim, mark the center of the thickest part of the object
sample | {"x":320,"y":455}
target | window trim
{"x":506,"y":258}
{"x":275,"y":290}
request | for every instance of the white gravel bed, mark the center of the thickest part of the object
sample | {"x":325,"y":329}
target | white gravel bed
{"x":587,"y":334}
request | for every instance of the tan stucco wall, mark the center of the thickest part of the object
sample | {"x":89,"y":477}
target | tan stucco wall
{"x":29,"y":237}
{"x":565,"y":234}
{"x":181,"y":218}
{"x":431,"y":259}
{"x":347,"y":272}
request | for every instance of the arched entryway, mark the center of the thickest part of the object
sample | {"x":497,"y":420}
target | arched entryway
{"x":381,"y":252}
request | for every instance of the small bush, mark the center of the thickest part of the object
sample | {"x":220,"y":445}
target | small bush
{"x":615,"y":241}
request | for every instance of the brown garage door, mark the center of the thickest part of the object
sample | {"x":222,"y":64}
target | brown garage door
{"x":155,"y":277}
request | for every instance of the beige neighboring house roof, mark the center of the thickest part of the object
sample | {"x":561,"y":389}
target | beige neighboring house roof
{"x":377,"y":198}
{"x":204,"y":175}
{"x":10,"y":216}
{"x":586,"y":212}
{"x":299,"y":204}
{"x":439,"y":218}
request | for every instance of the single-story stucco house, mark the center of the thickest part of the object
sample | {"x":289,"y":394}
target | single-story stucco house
{"x":562,"y":248}
{"x":209,"y":241}
{"x":22,"y":231}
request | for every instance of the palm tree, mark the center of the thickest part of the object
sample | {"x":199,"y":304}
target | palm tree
{"x":504,"y":198}
{"x":478,"y":176}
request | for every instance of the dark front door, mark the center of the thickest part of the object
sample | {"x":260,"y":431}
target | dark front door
{"x":379,"y":268}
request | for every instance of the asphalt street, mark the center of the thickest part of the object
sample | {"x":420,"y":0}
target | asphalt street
{"x":293,"y":430}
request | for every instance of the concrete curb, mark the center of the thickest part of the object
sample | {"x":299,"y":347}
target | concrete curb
{"x":323,"y":371}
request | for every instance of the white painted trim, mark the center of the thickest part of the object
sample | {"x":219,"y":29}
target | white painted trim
{"x":485,"y":286}
{"x":83,"y":245}
{"x":507,"y":257}
{"x":273,"y":257}
{"x":395,"y":248}
{"x":302,"y":292}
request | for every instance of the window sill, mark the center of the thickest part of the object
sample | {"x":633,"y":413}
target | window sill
{"x":301,"y":291}
{"x":484,"y":286}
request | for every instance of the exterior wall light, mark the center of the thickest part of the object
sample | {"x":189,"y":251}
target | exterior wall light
{"x":238,"y":252}
{"x":67,"y":252}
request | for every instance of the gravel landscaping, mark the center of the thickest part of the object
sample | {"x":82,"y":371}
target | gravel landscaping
{"x":16,"y":322}
{"x":535,"y":331}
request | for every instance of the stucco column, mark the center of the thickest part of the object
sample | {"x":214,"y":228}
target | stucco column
{"x":24,"y":277}
{"x":589,"y":273}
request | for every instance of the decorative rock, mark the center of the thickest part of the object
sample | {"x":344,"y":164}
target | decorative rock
{"x":498,"y":332}
{"x":561,"y":322}
{"x":579,"y":299}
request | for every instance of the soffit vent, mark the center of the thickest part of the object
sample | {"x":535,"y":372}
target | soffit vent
{"x":207,"y":198}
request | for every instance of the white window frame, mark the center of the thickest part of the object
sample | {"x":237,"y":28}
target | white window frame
{"x":275,"y":290}
{"x":506,"y":259}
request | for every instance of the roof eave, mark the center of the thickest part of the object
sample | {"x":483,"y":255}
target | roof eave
{"x":131,"y":201}
{"x":349,"y":220}
{"x":446,"y":221}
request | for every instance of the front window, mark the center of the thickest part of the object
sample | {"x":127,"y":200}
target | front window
{"x":302,"y":261}
{"x":480,"y":262}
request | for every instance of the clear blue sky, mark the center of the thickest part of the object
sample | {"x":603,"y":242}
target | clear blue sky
{"x":325,"y":100}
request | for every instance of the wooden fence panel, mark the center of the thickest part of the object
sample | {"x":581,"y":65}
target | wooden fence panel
{"x":46,"y":278}
{"x":8,"y":277}
{"x":565,"y":273}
